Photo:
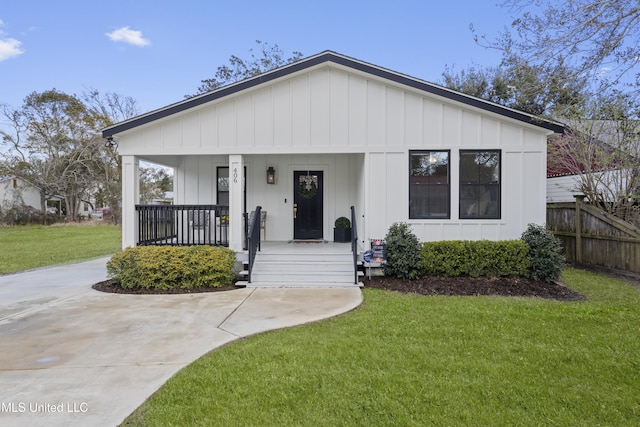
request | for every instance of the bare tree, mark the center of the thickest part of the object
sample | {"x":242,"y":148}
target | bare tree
{"x":602,"y":152}
{"x":577,"y":61}
{"x":110,"y":107}
{"x":600,"y":38}
{"x":107,"y":109}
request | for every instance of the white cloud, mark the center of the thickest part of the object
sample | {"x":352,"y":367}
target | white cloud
{"x":127,"y":35}
{"x":9,"y":47}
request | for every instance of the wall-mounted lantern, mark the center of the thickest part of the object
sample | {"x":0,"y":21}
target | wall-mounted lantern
{"x":271,"y":175}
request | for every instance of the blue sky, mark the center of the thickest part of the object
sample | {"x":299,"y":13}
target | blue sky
{"x":158,"y":51}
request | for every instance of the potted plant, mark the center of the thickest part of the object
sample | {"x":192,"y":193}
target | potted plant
{"x":342,"y":230}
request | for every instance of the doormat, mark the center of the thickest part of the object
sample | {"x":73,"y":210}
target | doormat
{"x":308,"y":241}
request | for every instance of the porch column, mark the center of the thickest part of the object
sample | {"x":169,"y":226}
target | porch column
{"x":236,"y":201}
{"x":130,"y":197}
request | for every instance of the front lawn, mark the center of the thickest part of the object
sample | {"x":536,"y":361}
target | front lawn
{"x":404,"y":359}
{"x":26,"y":247}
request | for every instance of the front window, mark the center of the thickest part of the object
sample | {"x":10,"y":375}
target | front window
{"x":480,"y":184}
{"x":429,"y":185}
{"x":223,"y":186}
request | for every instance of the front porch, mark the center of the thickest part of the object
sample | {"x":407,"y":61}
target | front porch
{"x":291,"y":263}
{"x":218,"y":192}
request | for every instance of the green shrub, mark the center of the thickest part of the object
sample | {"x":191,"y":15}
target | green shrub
{"x":545,"y":253}
{"x":342,"y":222}
{"x":403,"y":252}
{"x":453,"y":258}
{"x":444,"y":259}
{"x":170,"y":267}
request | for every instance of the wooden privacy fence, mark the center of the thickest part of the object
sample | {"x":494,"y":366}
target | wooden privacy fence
{"x":590,"y":235}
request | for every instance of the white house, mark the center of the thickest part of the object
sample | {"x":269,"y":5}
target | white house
{"x":311,"y":139}
{"x":15,"y":191}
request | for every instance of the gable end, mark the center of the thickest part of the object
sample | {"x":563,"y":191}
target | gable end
{"x":340,"y":60}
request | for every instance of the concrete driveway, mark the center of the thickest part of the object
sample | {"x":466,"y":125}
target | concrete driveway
{"x":73,"y":356}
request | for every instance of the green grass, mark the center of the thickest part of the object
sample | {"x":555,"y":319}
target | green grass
{"x":403,"y":360}
{"x":26,"y":247}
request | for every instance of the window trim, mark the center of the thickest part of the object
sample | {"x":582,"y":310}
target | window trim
{"x":448,"y":184}
{"x":498,"y":185}
{"x":218,"y":191}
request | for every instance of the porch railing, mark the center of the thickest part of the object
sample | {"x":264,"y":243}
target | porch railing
{"x":183,"y":225}
{"x":253,"y":238}
{"x":354,"y":244}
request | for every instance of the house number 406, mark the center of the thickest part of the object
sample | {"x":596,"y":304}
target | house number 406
{"x":235,"y":175}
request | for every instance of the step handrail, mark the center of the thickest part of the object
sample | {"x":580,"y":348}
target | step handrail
{"x":354,"y":244}
{"x":253,"y":238}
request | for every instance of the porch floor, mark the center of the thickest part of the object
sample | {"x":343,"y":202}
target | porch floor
{"x":298,"y":264}
{"x":305,"y":246}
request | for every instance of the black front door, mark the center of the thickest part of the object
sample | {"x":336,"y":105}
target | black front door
{"x":307,"y":208}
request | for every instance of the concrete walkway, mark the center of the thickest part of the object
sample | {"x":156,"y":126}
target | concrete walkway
{"x":73,"y":356}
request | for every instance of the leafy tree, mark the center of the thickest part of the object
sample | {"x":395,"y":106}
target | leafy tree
{"x":154,"y":183}
{"x":267,"y":58}
{"x":55,"y":143}
{"x":535,"y":89}
{"x":54,"y":153}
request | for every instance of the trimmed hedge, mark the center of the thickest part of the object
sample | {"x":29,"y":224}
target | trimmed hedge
{"x":452,"y":258}
{"x":171,"y":267}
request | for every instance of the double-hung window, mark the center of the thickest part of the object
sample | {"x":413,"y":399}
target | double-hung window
{"x":480,"y":184}
{"x":429,"y":185}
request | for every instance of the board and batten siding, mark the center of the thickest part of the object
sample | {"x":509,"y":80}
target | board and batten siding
{"x":195,"y":182}
{"x":338,"y":111}
{"x":326,"y":110}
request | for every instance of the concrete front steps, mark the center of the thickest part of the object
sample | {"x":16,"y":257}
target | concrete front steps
{"x":303,"y":266}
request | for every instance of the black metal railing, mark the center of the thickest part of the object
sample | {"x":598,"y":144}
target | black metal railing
{"x":183,"y":225}
{"x":253,"y":236}
{"x":354,"y":243}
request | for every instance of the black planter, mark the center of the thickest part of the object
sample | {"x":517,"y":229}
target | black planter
{"x":341,"y":234}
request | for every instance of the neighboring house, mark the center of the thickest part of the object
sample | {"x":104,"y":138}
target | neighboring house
{"x":308,"y":140}
{"x":608,"y":170}
{"x":166,"y":199}
{"x":562,"y":188}
{"x":85,"y":209}
{"x":563,"y":184}
{"x":15,"y":191}
{"x":18,"y":192}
